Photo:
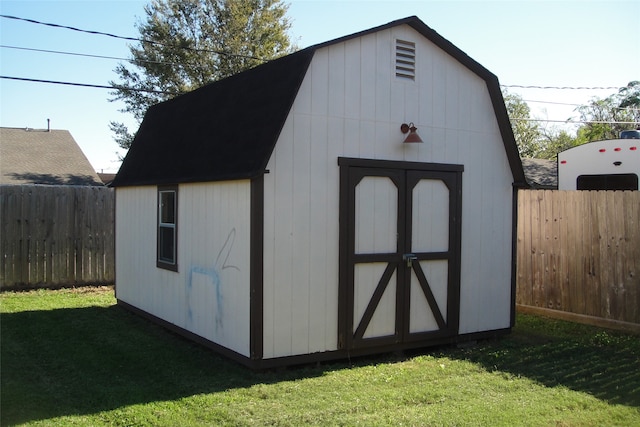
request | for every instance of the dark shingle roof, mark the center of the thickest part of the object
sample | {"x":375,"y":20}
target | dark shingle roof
{"x":224,"y":130}
{"x":541,"y":173}
{"x":228,"y":129}
{"x":36,"y":156}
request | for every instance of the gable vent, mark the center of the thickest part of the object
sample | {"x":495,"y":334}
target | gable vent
{"x":405,"y":59}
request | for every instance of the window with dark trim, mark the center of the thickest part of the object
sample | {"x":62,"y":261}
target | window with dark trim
{"x":167,"y":228}
{"x":623,"y":181}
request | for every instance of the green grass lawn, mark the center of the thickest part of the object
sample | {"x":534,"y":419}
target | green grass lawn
{"x":72,"y":357}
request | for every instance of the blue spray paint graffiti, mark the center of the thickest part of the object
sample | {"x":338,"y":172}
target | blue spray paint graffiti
{"x":214,"y":274}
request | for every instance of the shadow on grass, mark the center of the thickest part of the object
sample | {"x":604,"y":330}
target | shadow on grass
{"x":604,"y":364}
{"x":87,"y":360}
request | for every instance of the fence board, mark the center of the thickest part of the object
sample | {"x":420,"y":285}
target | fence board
{"x":631,"y":274}
{"x":579,"y":252}
{"x":56,"y":236}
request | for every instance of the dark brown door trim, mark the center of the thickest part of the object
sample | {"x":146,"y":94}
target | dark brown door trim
{"x":405,"y":175}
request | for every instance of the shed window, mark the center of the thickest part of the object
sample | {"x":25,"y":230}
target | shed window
{"x":167,"y":228}
{"x":405,"y":59}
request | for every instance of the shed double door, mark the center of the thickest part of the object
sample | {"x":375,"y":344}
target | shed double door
{"x":400,"y":253}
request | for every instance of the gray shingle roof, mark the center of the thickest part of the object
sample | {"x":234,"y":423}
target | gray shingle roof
{"x":39,"y":156}
{"x":541,"y":173}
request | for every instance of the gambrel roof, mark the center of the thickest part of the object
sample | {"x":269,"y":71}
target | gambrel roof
{"x":41,"y":156}
{"x":227,"y":130}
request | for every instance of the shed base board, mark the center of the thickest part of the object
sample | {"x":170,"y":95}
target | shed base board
{"x":580,"y":318}
{"x":233,"y":355}
{"x":257,"y":364}
{"x":370,"y":351}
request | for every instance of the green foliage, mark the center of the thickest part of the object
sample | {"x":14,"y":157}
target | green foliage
{"x":72,"y":357}
{"x":543,"y":142}
{"x":121,"y":134}
{"x":526,"y":132}
{"x":189,"y":43}
{"x":534,"y":140}
{"x":623,"y":106}
{"x":553,"y":141}
{"x":630,"y":97}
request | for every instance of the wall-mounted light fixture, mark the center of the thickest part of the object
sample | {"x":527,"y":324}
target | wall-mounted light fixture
{"x":413,"y":135}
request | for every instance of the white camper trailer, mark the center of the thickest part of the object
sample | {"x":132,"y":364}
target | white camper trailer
{"x":612,"y":164}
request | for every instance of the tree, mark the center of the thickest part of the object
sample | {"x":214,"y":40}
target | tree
{"x":186,"y":44}
{"x":555,"y":140}
{"x":526,"y":132}
{"x":630,"y":97}
{"x":534,"y":140}
{"x":607,"y":117}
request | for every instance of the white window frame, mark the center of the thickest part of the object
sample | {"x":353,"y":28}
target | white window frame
{"x":164,"y":224}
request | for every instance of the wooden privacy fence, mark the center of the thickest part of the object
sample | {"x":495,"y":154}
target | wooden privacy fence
{"x":56,"y":236}
{"x":579,"y":253}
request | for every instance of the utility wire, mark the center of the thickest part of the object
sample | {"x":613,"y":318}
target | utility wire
{"x":175,"y":93}
{"x":549,"y":102}
{"x":219,"y":52}
{"x":100,"y":33}
{"x":566,"y":87}
{"x":33,"y":21}
{"x":59,"y":52}
{"x":88,"y":55}
{"x":578,"y":105}
{"x":604,"y":122}
{"x":48,"y":24}
{"x":89,"y":85}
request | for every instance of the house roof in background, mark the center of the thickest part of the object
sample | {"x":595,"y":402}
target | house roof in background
{"x":41,"y":156}
{"x":228,"y":129}
{"x":541,"y":173}
{"x":106,"y":178}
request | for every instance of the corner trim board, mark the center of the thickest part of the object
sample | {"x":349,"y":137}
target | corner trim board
{"x":256,"y":276}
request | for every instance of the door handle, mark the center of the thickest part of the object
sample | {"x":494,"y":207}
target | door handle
{"x":409,"y":259}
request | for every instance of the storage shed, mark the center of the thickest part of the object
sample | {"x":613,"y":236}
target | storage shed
{"x":279,"y":217}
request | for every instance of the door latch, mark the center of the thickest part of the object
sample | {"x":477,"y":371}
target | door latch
{"x":409,"y":259}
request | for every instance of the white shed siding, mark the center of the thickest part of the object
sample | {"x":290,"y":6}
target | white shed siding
{"x":209,"y":295}
{"x":351,"y":104}
{"x":136,"y":223}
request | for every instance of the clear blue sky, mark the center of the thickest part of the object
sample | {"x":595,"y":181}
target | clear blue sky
{"x":538,"y":43}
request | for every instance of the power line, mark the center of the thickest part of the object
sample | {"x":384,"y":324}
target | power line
{"x":566,"y":87}
{"x":59,"y":52}
{"x":604,"y":122}
{"x":48,"y":24}
{"x":176,"y":93}
{"x":552,"y":102}
{"x":219,"y":52}
{"x":88,"y":55}
{"x":100,"y":33}
{"x":24,"y":79}
{"x":577,"y":105}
